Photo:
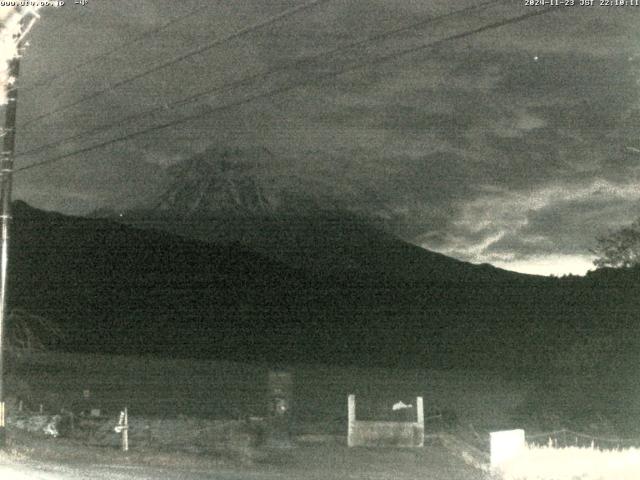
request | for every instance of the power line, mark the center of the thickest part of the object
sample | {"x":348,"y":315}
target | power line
{"x":282,"y":15}
{"x":286,"y":88}
{"x":192,"y":98}
{"x":100,"y":56}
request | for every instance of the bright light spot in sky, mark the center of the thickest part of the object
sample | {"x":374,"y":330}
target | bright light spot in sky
{"x":557,"y":265}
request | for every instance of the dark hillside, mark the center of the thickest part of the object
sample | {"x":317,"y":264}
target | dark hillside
{"x":115,"y":288}
{"x":335,"y":291}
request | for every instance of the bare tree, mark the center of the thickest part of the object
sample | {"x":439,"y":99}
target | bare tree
{"x":28,"y":332}
{"x":620,"y":248}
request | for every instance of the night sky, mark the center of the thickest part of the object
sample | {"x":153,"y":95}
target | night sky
{"x":515,"y":146}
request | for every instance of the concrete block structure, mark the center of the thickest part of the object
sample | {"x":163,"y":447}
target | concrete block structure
{"x":385,"y":433}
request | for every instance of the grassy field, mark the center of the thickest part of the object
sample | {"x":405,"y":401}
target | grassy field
{"x":213,"y":389}
{"x":163,"y":392}
{"x":183,"y":397}
{"x":309,"y":461}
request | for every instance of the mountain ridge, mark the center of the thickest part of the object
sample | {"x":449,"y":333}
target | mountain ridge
{"x":231,"y":195}
{"x":118,"y":289}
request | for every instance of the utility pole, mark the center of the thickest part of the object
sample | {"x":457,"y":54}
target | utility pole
{"x":6,"y":170}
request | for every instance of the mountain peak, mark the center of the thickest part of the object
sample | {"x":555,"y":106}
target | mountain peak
{"x":235,"y":182}
{"x":219,"y":181}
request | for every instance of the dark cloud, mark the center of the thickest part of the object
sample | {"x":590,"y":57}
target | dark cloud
{"x":566,"y":227}
{"x":486,"y":148}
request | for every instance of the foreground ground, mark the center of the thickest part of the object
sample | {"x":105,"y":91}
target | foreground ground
{"x":27,"y":457}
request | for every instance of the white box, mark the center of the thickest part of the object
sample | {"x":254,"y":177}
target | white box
{"x":505,"y":445}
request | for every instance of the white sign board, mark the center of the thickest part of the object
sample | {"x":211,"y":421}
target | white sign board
{"x":505,"y":445}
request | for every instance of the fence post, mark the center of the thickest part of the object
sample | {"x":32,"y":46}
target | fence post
{"x":279,"y":401}
{"x":352,"y":419}
{"x":125,"y":432}
{"x":123,"y":428}
{"x":420,"y":419}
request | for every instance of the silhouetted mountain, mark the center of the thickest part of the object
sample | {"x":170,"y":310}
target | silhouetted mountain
{"x":375,"y":297}
{"x":234,"y":182}
{"x":221,"y":181}
{"x":117,"y":288}
{"x":228,"y":196}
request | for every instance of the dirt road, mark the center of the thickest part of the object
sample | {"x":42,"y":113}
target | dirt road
{"x":42,"y":471}
{"x":59,"y":460}
{"x":48,"y":471}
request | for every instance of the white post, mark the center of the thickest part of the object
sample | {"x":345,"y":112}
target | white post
{"x":125,"y":432}
{"x":420,"y":414}
{"x":123,"y":428}
{"x":420,"y":411}
{"x":352,"y":419}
